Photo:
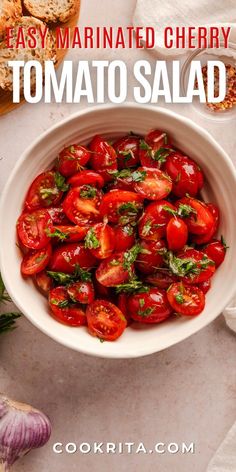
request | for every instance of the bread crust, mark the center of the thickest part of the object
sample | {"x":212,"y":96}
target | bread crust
{"x":52,"y":11}
{"x":40,"y":54}
{"x":10,"y":12}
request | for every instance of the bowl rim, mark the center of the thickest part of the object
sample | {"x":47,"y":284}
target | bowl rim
{"x":144,"y":351}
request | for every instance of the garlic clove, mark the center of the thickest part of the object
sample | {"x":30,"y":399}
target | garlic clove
{"x":22,"y":428}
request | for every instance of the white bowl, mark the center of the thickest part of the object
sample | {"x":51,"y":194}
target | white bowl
{"x":111,"y":121}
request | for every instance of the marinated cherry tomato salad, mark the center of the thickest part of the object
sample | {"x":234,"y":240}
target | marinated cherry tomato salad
{"x":117,"y":231}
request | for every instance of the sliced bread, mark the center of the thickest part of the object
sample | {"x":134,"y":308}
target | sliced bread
{"x":25,"y":54}
{"x":10,"y":11}
{"x":52,"y":11}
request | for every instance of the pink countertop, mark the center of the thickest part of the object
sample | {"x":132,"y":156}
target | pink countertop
{"x":184,"y":394}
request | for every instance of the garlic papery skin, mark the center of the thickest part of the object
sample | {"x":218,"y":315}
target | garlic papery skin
{"x":22,"y":428}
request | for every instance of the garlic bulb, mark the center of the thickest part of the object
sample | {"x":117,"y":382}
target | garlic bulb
{"x":22,"y":428}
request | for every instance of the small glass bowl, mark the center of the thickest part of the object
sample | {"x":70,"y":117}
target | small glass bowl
{"x":226,"y":55}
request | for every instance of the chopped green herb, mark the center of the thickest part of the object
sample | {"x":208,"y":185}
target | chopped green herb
{"x":59,"y":303}
{"x":161,"y":154}
{"x":91,"y":241}
{"x":56,"y":233}
{"x":185,"y":210}
{"x":186,"y":266}
{"x":65,"y":279}
{"x":144,"y":146}
{"x":141,"y":302}
{"x":147,"y":228}
{"x":128,"y":229}
{"x":130,"y":257}
{"x":179,"y":298}
{"x":60,"y":182}
{"x":132,"y":286}
{"x":60,"y":277}
{"x":138,"y":175}
{"x":88,"y":192}
{"x":170,"y":210}
{"x":147,"y":312}
{"x":130,"y":207}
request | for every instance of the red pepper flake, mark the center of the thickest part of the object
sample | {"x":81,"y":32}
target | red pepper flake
{"x":230,"y":98}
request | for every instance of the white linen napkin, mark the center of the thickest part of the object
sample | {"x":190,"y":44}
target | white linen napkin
{"x":159,"y":15}
{"x":230,"y":318}
{"x":225,"y":458}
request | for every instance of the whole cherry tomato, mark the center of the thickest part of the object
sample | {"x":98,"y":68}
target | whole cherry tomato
{"x":185,"y":174}
{"x":150,"y":256}
{"x":149,"y":307}
{"x":72,"y":158}
{"x":103,"y":158}
{"x":200,"y":220}
{"x":67,"y":256}
{"x":177,"y":234}
{"x":215,"y":251}
{"x":127,"y":149}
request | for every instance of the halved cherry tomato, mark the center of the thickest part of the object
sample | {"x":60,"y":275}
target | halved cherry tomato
{"x":81,"y":204}
{"x":150,"y":256}
{"x":155,"y":186}
{"x":127,"y":149}
{"x":112,"y":271}
{"x":215,"y":251}
{"x":105,"y":320}
{"x":87,"y":177}
{"x":66,"y":257}
{"x":103,"y":157}
{"x":185,"y":174}
{"x":122,"y":304}
{"x":36,"y":261}
{"x":72,"y":158}
{"x":32,"y":229}
{"x":150,"y":307}
{"x":162,"y":278}
{"x":177,"y":234}
{"x":81,"y":292}
{"x":43,"y":192}
{"x":121,"y":206}
{"x":62,"y":310}
{"x":186,"y":300}
{"x":100,"y":240}
{"x":200,"y":221}
{"x":203,"y":268}
{"x":124,"y":237}
{"x":44,"y":282}
{"x":152,"y":225}
{"x":69,"y":234}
